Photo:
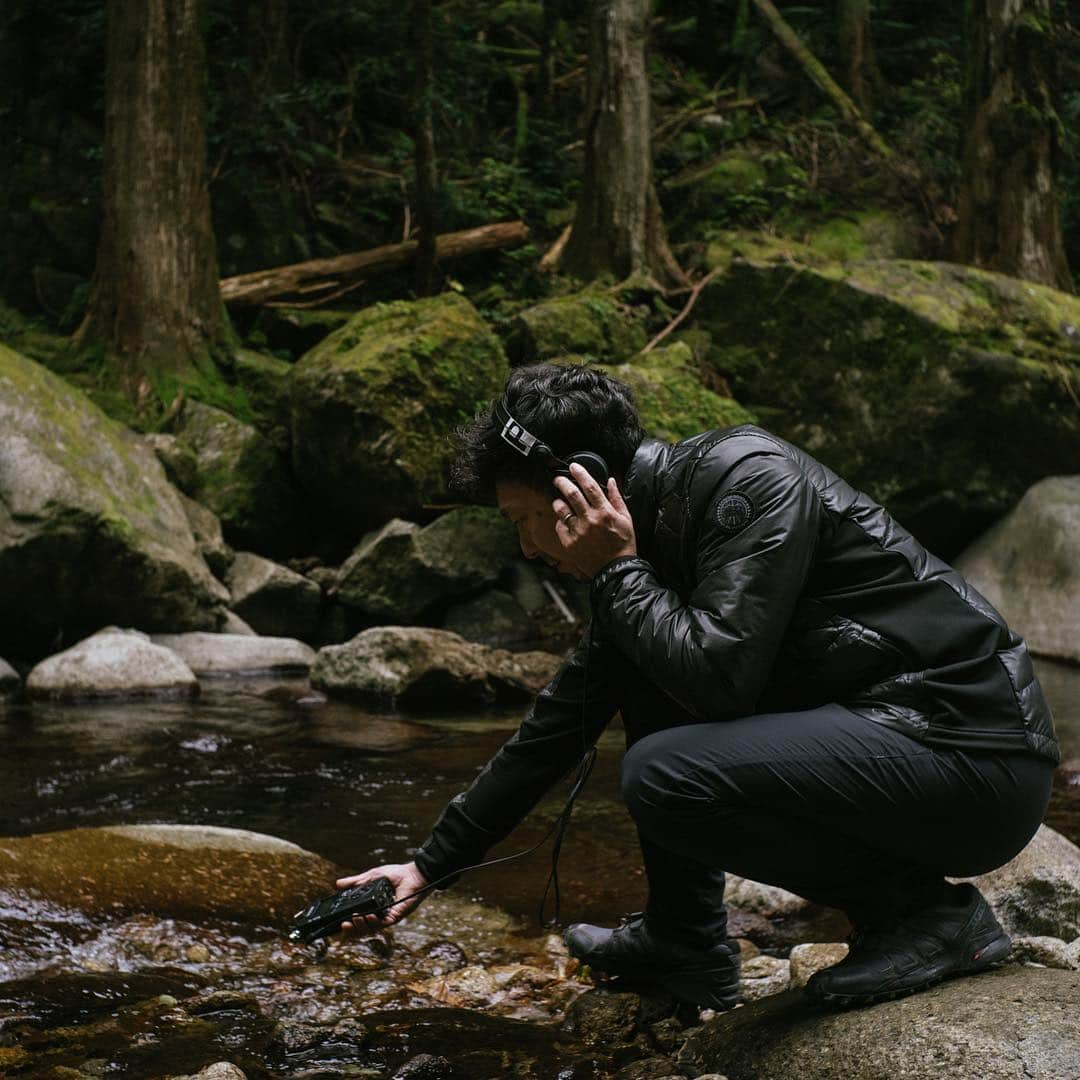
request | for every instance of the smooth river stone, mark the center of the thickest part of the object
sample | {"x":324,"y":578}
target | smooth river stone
{"x":112,"y":663}
{"x":192,"y":872}
{"x":219,"y":654}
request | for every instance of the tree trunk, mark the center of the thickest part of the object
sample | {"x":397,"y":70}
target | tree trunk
{"x":618,"y":228}
{"x":154,"y":300}
{"x":815,"y":71}
{"x":1008,"y":207}
{"x":266,"y":30}
{"x":321,"y":278}
{"x":857,"y":60}
{"x":424,"y":135}
{"x":707,"y":24}
{"x":545,"y":76}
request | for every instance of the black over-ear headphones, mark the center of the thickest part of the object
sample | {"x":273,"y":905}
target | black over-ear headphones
{"x":528,"y":445}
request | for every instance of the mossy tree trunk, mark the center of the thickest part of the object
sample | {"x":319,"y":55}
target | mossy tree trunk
{"x":1008,"y":207}
{"x":858,"y":63}
{"x":154,"y":304}
{"x":545,"y":75}
{"x":618,"y":227}
{"x":424,"y":135}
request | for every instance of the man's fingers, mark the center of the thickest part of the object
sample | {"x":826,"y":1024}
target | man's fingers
{"x":572,"y":494}
{"x":615,"y":496}
{"x":592,"y":491}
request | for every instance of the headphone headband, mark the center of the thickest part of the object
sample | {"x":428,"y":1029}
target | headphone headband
{"x":528,"y":445}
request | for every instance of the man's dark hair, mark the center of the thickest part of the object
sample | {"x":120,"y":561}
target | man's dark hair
{"x":570,"y":407}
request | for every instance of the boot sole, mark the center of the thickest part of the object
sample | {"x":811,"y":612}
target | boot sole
{"x":989,"y":956}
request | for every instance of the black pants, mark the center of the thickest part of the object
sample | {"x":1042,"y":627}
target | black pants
{"x":824,"y":803}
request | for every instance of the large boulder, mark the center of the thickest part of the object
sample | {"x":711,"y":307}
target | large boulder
{"x":492,"y":618}
{"x":402,"y":570}
{"x":373,"y":403}
{"x":1010,"y":1024}
{"x":1028,"y":567}
{"x":273,"y":599}
{"x":230,"y":654}
{"x":934,"y":387}
{"x":184,"y":871}
{"x":112,"y":663}
{"x":417,"y":667}
{"x":242,"y":478}
{"x":91,"y":532}
{"x":671,"y":395}
{"x":1038,"y":892}
{"x":589,"y":323}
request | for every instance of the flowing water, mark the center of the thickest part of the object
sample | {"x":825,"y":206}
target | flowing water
{"x":358,"y":788}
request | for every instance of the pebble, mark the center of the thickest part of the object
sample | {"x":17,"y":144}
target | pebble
{"x":814,"y":957}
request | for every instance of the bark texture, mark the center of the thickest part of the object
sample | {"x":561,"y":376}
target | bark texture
{"x":1008,"y":208}
{"x":859,"y":64}
{"x":154,"y":301}
{"x":424,"y":136}
{"x":618,"y":227}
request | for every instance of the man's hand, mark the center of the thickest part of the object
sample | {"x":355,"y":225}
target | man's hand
{"x":405,"y":878}
{"x":593,"y":525}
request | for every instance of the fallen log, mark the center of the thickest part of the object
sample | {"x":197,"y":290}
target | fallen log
{"x":317,"y":275}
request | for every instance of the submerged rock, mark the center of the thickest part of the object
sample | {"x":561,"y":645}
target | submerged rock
{"x":1028,"y":567}
{"x":273,"y":599}
{"x":412,"y":666}
{"x":242,"y":478}
{"x":402,"y":570}
{"x":934,"y":387}
{"x":1038,"y":892}
{"x":185,"y":871}
{"x":112,"y":663}
{"x":91,"y":532}
{"x":372,"y":403}
{"x":210,"y":654}
{"x":1007,"y":1024}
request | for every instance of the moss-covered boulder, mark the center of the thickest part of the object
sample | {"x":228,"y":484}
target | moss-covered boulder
{"x":672,"y":397}
{"x":242,"y":478}
{"x":588,"y":324}
{"x":372,"y":405}
{"x":403,"y":570}
{"x":932,"y":386}
{"x":91,"y":532}
{"x":265,"y":382}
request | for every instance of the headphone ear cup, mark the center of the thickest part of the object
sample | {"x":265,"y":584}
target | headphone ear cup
{"x":592,"y":463}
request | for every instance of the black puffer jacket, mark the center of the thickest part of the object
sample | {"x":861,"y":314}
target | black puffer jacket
{"x":763,"y":583}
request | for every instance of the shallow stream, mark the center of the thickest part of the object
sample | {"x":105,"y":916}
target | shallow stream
{"x":359,"y":788}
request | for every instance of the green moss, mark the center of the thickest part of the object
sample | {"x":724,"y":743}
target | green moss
{"x":587,"y":323}
{"x":373,"y":403}
{"x":673,"y":402}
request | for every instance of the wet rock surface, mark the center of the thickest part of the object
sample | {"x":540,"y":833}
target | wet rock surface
{"x":1014,"y":1023}
{"x":417,"y":667}
{"x":112,"y":663}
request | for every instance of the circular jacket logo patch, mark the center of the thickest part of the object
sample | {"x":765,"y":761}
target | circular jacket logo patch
{"x":734,"y":511}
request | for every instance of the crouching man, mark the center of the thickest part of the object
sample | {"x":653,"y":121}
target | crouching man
{"x":810,"y":698}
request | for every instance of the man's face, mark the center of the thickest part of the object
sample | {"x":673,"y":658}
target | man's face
{"x":530,"y":510}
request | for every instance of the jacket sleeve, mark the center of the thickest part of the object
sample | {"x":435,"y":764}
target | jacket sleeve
{"x":563,"y":722}
{"x":713,"y":652}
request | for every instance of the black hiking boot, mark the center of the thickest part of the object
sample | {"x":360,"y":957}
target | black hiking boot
{"x":956,"y":936}
{"x":703,"y":976}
